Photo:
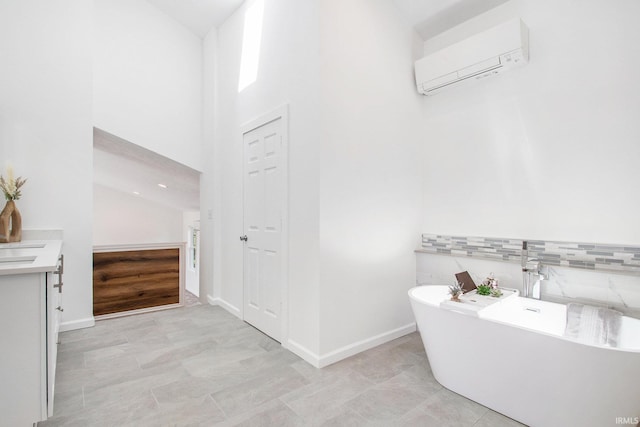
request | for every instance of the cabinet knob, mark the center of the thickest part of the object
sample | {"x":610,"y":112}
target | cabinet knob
{"x":59,"y":308}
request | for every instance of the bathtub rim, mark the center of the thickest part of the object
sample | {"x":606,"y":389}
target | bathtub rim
{"x":445,"y":288}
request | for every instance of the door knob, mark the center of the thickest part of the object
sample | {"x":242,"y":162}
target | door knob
{"x":244,"y":238}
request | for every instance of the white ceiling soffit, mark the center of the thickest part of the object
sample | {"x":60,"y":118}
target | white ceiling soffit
{"x":432,"y":17}
{"x":198,"y":15}
{"x":127,"y":167}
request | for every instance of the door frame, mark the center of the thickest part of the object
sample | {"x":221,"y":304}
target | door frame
{"x":281,"y":113}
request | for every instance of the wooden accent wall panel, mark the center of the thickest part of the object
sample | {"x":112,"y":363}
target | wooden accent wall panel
{"x":136,"y":279}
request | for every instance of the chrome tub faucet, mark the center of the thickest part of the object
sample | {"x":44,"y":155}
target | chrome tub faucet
{"x":532,"y":273}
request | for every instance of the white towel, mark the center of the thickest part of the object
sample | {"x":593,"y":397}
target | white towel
{"x":593,"y":325}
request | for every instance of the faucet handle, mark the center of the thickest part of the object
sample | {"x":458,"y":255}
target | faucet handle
{"x":532,"y":265}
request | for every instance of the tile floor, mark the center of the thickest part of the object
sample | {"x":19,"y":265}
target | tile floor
{"x":201,"y":366}
{"x":190,"y":299}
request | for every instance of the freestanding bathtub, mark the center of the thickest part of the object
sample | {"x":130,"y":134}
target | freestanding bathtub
{"x":512,"y":357}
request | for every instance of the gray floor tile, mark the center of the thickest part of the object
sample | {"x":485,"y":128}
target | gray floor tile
{"x":187,"y":412}
{"x":448,"y":409}
{"x":130,"y":384}
{"x":393,"y":398}
{"x":175,"y":353}
{"x":115,"y":411}
{"x":317,"y":399}
{"x":261,"y":389}
{"x":494,"y":419}
{"x":201,"y":366}
{"x":92,"y":343}
{"x":148,"y":335}
{"x":185,"y":388}
{"x":383,"y":365}
{"x":208,"y":362}
{"x":70,"y":360}
{"x":68,"y":402}
{"x":279,"y":415}
{"x":347,"y":418}
{"x":225,"y":375}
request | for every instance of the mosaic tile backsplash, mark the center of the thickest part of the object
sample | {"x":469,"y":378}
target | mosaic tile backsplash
{"x":588,"y":273}
{"x":591,"y":256}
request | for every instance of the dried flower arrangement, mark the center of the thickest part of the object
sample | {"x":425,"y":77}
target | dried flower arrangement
{"x":10,"y":186}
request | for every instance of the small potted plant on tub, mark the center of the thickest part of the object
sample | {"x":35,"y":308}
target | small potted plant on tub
{"x":483,"y":289}
{"x":455,"y":291}
{"x":490,"y":287}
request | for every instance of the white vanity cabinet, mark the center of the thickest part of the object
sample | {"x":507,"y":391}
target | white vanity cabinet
{"x":54,"y":310}
{"x":30,"y":307}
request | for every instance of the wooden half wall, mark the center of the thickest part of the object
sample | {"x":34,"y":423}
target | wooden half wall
{"x":130,"y":279}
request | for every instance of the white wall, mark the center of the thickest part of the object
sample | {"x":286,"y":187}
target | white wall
{"x":121,"y":219}
{"x":46,"y":130}
{"x":370,"y":168}
{"x":209,"y":184}
{"x":288,"y":74}
{"x":549,"y":151}
{"x":148,"y":79}
{"x":354,"y":186}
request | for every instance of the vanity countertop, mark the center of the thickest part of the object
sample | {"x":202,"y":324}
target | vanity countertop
{"x":29,"y":256}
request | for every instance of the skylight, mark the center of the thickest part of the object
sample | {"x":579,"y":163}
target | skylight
{"x":251,"y":38}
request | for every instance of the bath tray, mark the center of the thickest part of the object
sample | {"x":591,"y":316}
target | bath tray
{"x":471,"y":303}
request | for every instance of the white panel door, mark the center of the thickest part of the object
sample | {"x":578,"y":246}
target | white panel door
{"x":263,"y":217}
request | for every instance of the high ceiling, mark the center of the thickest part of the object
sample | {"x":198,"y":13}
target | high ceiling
{"x":428,"y":17}
{"x":128,"y":168}
{"x":198,"y":15}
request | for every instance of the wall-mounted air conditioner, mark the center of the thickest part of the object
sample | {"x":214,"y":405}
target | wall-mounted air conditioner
{"x":484,"y":54}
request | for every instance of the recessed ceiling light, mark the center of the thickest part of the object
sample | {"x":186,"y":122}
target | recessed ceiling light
{"x":162,"y":186}
{"x":136,"y":193}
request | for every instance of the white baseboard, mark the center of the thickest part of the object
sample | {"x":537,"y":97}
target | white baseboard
{"x":77,"y":324}
{"x":348,"y":350}
{"x":222,"y":303}
{"x":334,"y":356}
{"x":306,"y":354}
{"x":366,"y":344}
